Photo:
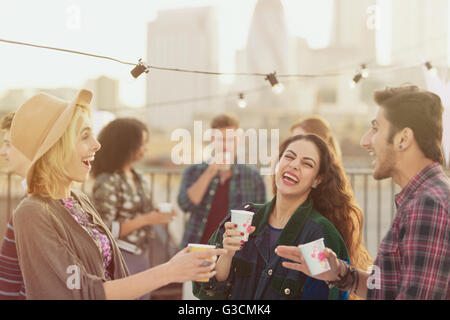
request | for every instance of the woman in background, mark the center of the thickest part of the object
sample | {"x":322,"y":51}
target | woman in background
{"x":121,"y":193}
{"x":319,"y":126}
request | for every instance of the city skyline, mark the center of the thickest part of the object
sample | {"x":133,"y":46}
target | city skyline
{"x":81,"y":25}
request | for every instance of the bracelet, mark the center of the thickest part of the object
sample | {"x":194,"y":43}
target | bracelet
{"x":346,"y":282}
{"x":341,"y":278}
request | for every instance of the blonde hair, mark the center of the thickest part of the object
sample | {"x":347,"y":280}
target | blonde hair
{"x":7,"y":121}
{"x":319,"y":126}
{"x":50,"y":170}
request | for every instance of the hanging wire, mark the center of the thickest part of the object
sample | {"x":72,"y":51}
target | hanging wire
{"x":254,"y":74}
{"x":295,"y":77}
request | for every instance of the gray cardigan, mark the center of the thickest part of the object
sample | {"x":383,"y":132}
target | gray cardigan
{"x":58,"y":258}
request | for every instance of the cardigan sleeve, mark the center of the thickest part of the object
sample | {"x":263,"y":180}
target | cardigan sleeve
{"x":50,"y":269}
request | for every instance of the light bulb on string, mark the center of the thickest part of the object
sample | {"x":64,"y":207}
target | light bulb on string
{"x":139,"y":69}
{"x":276,"y":86}
{"x":431,"y":69}
{"x":364,"y":71}
{"x":241,"y":102}
{"x":355,"y":80}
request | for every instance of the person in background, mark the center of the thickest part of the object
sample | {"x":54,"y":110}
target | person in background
{"x":121,"y":193}
{"x":312,"y":201}
{"x":208,"y":191}
{"x":11,"y":280}
{"x":65,"y":250}
{"x":414,"y":257}
{"x":319,"y":126}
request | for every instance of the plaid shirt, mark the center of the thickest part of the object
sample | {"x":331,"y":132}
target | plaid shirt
{"x":414,"y":257}
{"x":246,"y":185}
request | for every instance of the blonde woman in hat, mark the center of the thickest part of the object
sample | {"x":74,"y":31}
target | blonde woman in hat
{"x":65,"y":250}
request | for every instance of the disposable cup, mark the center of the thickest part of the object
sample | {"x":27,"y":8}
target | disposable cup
{"x":165,"y":207}
{"x":196,"y":247}
{"x":243,"y":219}
{"x":313,"y":254}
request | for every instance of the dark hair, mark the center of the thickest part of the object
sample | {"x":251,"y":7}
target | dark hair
{"x":334,"y":199}
{"x":120,"y":140}
{"x":419,"y":110}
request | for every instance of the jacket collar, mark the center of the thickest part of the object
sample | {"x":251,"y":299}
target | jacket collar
{"x":293,"y":227}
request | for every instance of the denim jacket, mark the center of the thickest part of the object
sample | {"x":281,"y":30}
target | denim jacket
{"x":257,"y":273}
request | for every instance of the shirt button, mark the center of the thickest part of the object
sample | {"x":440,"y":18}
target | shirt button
{"x":287,"y":291}
{"x":270,"y":272}
{"x":205,"y":219}
{"x":208,"y":206}
{"x":211,"y":192}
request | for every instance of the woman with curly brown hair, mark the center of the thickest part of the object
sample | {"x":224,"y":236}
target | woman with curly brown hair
{"x":313,"y":201}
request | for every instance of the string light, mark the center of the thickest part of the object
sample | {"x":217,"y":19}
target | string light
{"x":364,"y":71}
{"x":355,"y":80}
{"x":139,"y":69}
{"x":276,"y":86}
{"x":241,"y":102}
{"x":430,"y":68}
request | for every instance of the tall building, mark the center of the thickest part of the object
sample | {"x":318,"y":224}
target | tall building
{"x":187,"y":39}
{"x":105,"y":93}
{"x":269,"y":49}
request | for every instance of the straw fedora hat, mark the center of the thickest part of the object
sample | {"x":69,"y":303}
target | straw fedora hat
{"x":40,"y":122}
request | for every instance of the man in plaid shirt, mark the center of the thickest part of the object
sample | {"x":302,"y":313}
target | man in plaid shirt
{"x":209,"y":191}
{"x":413,"y":260}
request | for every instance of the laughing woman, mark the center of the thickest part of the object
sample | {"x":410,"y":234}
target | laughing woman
{"x":312,"y":197}
{"x":65,"y":250}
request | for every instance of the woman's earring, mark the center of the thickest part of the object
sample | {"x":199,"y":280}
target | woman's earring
{"x":314,"y":187}
{"x":400,"y":147}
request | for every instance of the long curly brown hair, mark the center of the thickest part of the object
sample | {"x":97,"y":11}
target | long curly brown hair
{"x":335,"y":200}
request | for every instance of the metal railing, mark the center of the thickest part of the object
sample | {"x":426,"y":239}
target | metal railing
{"x":375,"y":198}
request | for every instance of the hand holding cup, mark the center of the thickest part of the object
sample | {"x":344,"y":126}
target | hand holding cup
{"x":233,"y":239}
{"x":294,"y":253}
{"x":187,"y":265}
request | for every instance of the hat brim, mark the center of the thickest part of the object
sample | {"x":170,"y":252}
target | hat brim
{"x":84,"y":97}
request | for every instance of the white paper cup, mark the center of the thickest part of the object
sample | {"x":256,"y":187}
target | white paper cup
{"x":313,"y":254}
{"x":165,"y":207}
{"x":243,"y":219}
{"x":195,"y":247}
